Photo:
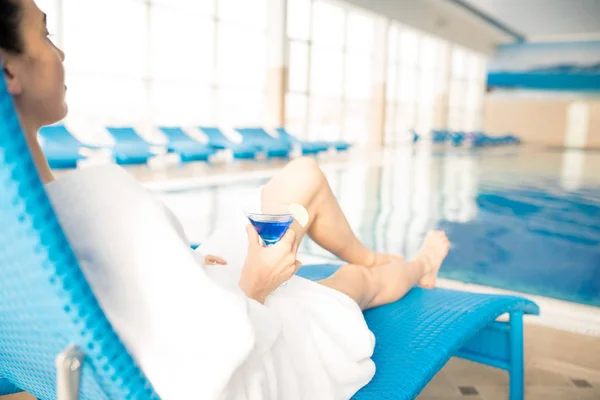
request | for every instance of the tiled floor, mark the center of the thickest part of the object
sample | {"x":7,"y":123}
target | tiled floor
{"x":559,"y":366}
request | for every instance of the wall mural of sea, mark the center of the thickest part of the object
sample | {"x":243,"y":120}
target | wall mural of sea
{"x":569,"y":66}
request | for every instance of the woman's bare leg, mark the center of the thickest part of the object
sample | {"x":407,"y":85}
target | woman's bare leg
{"x":383,"y":284}
{"x":370,"y":279}
{"x":302,"y":182}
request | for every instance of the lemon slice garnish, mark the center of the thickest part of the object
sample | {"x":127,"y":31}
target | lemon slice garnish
{"x":299,"y":213}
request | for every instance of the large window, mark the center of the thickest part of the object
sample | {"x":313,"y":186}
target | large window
{"x":330,"y":70}
{"x":183,"y":62}
{"x":206,"y":62}
{"x":181,"y":74}
{"x":241,"y":62}
{"x":467,"y":87}
{"x":358,"y":77}
{"x":105,"y":63}
{"x":432,"y":63}
{"x":415,"y":82}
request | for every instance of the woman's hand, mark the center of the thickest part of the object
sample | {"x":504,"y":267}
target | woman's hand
{"x":266,"y":268}
{"x":214,"y":260}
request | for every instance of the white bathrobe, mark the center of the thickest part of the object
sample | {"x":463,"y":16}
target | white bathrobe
{"x":190,"y":328}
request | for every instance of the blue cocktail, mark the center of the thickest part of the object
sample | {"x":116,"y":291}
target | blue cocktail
{"x":271,"y":222}
{"x":271,"y":228}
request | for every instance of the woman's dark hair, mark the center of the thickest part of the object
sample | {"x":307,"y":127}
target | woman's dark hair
{"x":10,"y":33}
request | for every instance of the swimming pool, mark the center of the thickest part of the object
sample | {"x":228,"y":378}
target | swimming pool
{"x":525,"y":220}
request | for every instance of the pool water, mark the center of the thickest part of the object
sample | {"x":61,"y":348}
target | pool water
{"x":526,"y":220}
{"x":530,"y":239}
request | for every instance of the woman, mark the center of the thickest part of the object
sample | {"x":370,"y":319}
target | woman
{"x":202,"y":331}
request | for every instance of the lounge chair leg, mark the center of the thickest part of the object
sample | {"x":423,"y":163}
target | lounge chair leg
{"x":516,"y":372}
{"x":68,"y":373}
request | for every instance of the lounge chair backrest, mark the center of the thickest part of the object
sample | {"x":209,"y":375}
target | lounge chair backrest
{"x":125,"y":135}
{"x":257,"y":134}
{"x":285,"y":136}
{"x":60,"y":135}
{"x":215,"y":135}
{"x":46,"y":303}
{"x":175,"y":134}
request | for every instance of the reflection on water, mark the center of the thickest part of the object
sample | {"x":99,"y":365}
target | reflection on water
{"x":572,"y":168}
{"x":522,"y":220}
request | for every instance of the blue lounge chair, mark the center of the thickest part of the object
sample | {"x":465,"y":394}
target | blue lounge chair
{"x":480,"y":139}
{"x":59,"y":135}
{"x":46,"y":305}
{"x":440,"y":136}
{"x":187,"y":148}
{"x":52,"y":328}
{"x":261,"y":140}
{"x":130,"y":148}
{"x":512,"y":139}
{"x":418,"y":334}
{"x":61,"y":148}
{"x":415,"y":136}
{"x":62,"y":157}
{"x":338,"y":145}
{"x":509,"y":139}
{"x":218,"y":140}
{"x":457,"y":138}
{"x":308,"y":148}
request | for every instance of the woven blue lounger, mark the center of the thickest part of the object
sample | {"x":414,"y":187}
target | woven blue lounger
{"x":130,"y":148}
{"x":258,"y":138}
{"x":307,"y":148}
{"x":187,"y":148}
{"x":418,"y":334}
{"x":320,"y":145}
{"x":61,"y":148}
{"x":61,"y":157}
{"x":52,"y":329}
{"x":218,"y":140}
{"x":59,"y":134}
{"x":324,"y":145}
{"x":46,"y":305}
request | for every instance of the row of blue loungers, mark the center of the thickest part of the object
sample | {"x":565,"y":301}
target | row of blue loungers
{"x":64,"y":150}
{"x":475,"y":139}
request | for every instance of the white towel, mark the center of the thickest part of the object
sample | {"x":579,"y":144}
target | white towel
{"x":191,"y":329}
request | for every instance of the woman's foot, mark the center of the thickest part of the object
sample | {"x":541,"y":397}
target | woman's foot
{"x":432,"y":254}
